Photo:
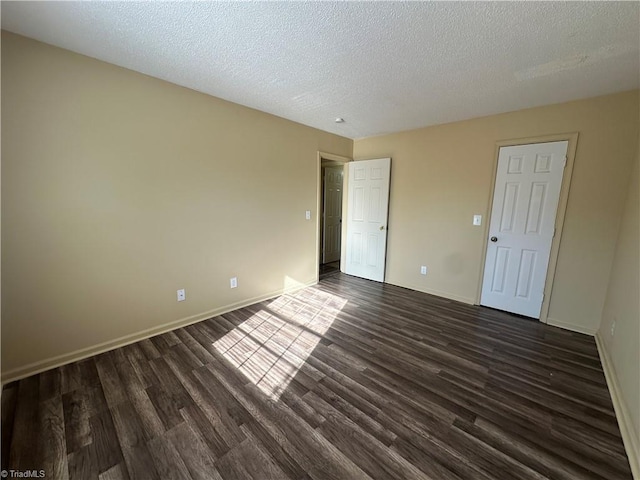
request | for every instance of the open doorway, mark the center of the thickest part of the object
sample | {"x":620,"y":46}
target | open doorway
{"x":331,"y":204}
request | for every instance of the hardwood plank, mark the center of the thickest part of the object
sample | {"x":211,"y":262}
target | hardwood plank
{"x":140,"y":364}
{"x":289,"y":466}
{"x":117,"y":472}
{"x":52,"y":442}
{"x":187,"y":338}
{"x":50,"y":384}
{"x":547,"y":463}
{"x":194,"y":452}
{"x":112,"y":386}
{"x":9,"y":401}
{"x":71,"y":377}
{"x":254,"y":461}
{"x":166,"y":408}
{"x":432,"y":448}
{"x":424,"y":461}
{"x":83,"y":464}
{"x":140,"y":464}
{"x":214,"y":411}
{"x":491,"y":460}
{"x":128,"y":426}
{"x":24,"y":451}
{"x":212,"y":433}
{"x":361,"y":448}
{"x":305,"y":411}
{"x":231,"y":467}
{"x":353,"y":413}
{"x":105,"y":443}
{"x":149,"y":349}
{"x":88,"y":373}
{"x":76,"y":423}
{"x":169,"y":383}
{"x":167,"y":460}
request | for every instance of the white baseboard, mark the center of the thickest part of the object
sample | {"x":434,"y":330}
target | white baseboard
{"x":59,"y":360}
{"x":571,"y":326}
{"x":627,"y":430}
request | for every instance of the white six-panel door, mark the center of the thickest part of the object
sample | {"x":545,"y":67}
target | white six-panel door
{"x":368,"y":204}
{"x":522,"y":226}
{"x":332,"y":221}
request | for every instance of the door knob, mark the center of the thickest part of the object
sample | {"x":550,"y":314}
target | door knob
{"x":494,"y":239}
{"x":382,"y":227}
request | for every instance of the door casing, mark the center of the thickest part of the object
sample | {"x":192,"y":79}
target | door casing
{"x":327,"y":206}
{"x":339,"y":159}
{"x":572,"y":139}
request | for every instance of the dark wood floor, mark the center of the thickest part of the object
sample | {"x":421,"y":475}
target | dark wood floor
{"x":327,"y":269}
{"x":347,"y":380}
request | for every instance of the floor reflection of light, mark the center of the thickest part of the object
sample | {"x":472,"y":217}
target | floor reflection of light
{"x":270,"y":347}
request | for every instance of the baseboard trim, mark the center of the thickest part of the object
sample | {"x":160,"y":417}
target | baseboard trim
{"x":571,"y":326}
{"x":629,"y":435}
{"x":81,"y":354}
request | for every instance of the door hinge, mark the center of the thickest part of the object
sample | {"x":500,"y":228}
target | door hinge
{"x":564,"y":162}
{"x":554,"y":232}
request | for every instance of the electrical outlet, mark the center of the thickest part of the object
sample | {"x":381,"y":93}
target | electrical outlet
{"x":182,"y":296}
{"x":613,"y":328}
{"x":423,"y":270}
{"x":233,"y":282}
{"x":307,"y":214}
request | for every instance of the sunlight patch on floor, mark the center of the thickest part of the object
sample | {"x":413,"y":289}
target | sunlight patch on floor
{"x":272,"y":345}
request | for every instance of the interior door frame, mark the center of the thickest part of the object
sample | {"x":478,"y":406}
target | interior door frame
{"x":572,"y":139}
{"x":344,"y":161}
{"x":337,"y":167}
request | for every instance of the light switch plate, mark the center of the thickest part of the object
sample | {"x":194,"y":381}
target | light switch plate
{"x":477,"y":220}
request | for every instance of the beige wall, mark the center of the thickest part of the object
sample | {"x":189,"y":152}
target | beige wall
{"x":442,"y":176}
{"x":118,"y":189}
{"x":622,"y":305}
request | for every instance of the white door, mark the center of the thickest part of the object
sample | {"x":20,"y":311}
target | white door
{"x":332,"y":210}
{"x":523,"y":216}
{"x":368,"y":204}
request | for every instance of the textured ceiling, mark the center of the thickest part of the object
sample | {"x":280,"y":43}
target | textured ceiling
{"x":383,"y":66}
